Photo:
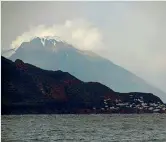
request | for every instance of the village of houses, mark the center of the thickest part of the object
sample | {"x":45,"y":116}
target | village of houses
{"x":136,"y":106}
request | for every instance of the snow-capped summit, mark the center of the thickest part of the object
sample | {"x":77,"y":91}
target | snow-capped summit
{"x":53,"y":39}
{"x":56,"y":38}
{"x":43,"y":40}
{"x":44,"y":43}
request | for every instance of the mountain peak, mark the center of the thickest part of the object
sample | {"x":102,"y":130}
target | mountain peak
{"x":51,"y":54}
{"x":52,"y":40}
{"x":44,"y":43}
{"x":49,"y":38}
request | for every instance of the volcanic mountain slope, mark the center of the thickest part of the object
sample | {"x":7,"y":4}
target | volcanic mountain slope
{"x":29,"y":89}
{"x":53,"y":54}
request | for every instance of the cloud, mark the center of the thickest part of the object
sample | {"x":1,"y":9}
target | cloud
{"x":78,"y":32}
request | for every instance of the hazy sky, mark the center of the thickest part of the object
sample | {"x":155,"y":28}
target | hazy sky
{"x":131,"y":34}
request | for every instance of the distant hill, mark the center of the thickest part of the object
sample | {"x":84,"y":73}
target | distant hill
{"x":28,"y":89}
{"x":51,"y":53}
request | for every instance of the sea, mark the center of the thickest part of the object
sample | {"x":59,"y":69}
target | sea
{"x":84,"y":128}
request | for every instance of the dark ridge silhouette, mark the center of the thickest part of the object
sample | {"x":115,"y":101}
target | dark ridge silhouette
{"x":28,"y":89}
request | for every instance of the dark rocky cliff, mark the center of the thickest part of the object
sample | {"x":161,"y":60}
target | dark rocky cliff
{"x":29,"y":89}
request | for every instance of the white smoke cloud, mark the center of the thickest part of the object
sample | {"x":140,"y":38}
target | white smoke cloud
{"x":79,"y":32}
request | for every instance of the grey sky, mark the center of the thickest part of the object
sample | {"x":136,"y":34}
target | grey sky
{"x":131,"y":34}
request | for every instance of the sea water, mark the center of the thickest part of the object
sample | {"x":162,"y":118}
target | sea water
{"x":85,"y":128}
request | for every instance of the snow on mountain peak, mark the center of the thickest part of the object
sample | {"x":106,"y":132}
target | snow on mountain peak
{"x":58,"y":39}
{"x":53,"y":39}
{"x":54,"y":44}
{"x":48,"y":42}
